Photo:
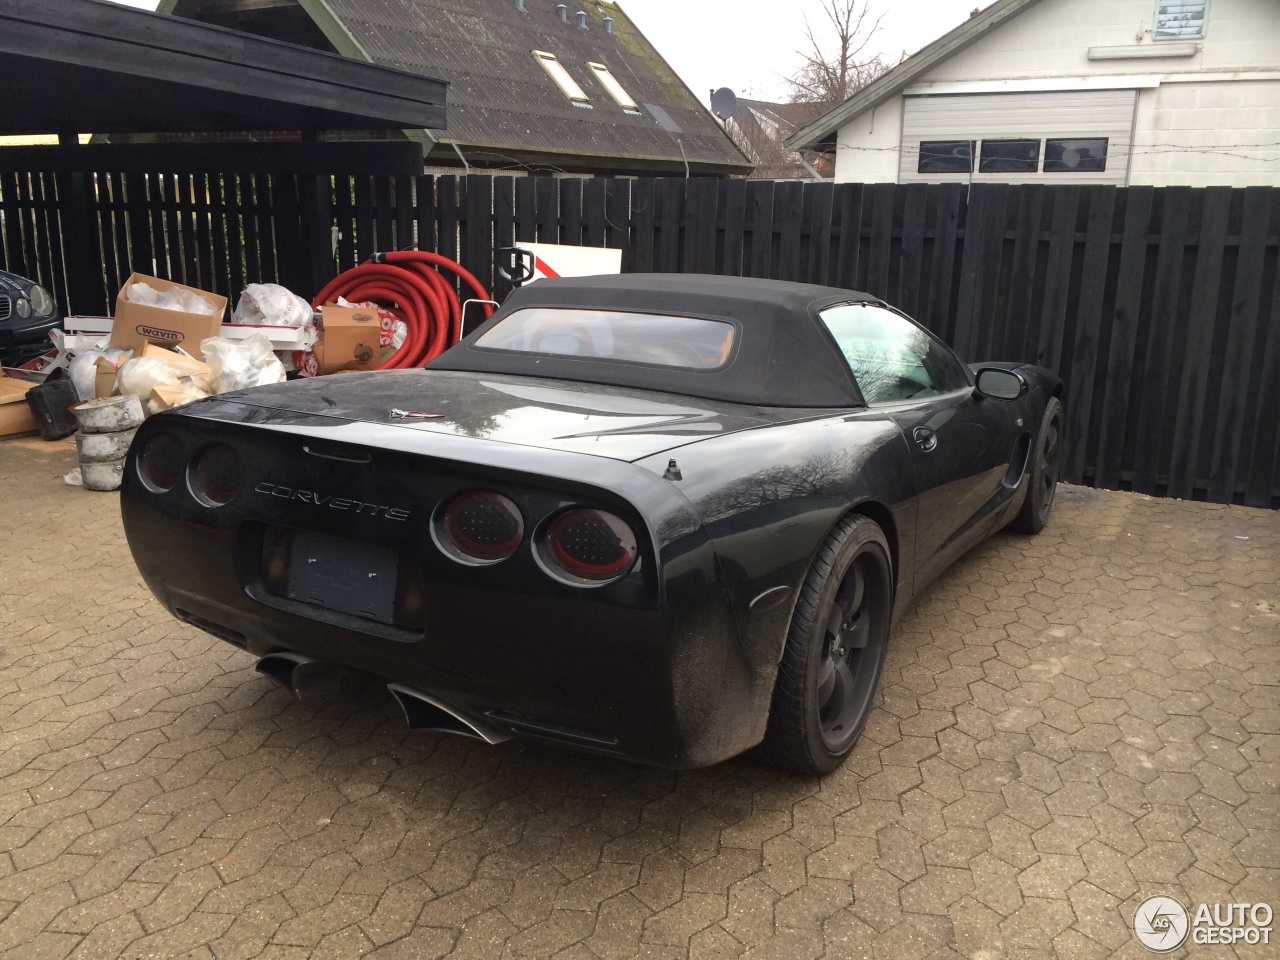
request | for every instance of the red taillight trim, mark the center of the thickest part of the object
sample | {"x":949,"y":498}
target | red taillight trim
{"x":146,"y":466}
{"x":592,"y":571}
{"x":464,"y":548}
{"x":201,"y":486}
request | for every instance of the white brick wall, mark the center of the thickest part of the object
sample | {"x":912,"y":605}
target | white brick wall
{"x":1196,"y":127}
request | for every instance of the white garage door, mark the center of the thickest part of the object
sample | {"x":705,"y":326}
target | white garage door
{"x":1076,"y":136}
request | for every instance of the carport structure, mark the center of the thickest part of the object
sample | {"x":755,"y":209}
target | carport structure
{"x":89,"y":66}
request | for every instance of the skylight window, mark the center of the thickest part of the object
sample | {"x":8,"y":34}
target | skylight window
{"x":613,"y":86}
{"x":556,"y":71}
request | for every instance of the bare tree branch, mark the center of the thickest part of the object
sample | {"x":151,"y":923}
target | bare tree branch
{"x":836,"y":62}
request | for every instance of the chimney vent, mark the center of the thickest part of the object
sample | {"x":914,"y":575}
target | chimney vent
{"x":520,"y":5}
{"x":562,"y":12}
{"x":582,"y":19}
{"x":608,"y":24}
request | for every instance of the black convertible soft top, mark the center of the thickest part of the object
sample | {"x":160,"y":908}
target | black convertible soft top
{"x":785,"y":357}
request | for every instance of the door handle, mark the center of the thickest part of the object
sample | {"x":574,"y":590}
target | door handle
{"x":926,"y":439}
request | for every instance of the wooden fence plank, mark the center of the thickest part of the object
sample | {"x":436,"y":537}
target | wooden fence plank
{"x":1262,"y":479}
{"x":1100,"y":202}
{"x":670,"y":207}
{"x":1158,"y":355}
{"x":402,"y":186}
{"x":447,"y":216}
{"x":384,"y":239}
{"x":1235,"y":386}
{"x":1113,"y":396}
{"x":760,"y":222}
{"x":548,"y":194}
{"x":477,"y":250}
{"x":617,"y":233}
{"x":504,"y":229}
{"x":1193,"y":382}
{"x":701,"y":200}
{"x":911,"y":252}
{"x":849,"y":243}
{"x":593,"y":215}
{"x":1014,"y":325}
{"x":937,"y":316}
{"x":882,"y":197}
{"x":733,"y":201}
{"x":425,"y":210}
{"x":819,"y":214}
{"x":788,"y":221}
{"x":526,"y":210}
{"x":1057,"y":281}
{"x":570,"y":211}
{"x":366,"y":240}
{"x":644,"y":201}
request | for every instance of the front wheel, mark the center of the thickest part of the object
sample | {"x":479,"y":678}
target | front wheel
{"x":834,"y":652}
{"x":1046,"y":461}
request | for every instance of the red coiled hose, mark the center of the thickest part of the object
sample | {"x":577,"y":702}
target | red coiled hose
{"x":410,"y":284}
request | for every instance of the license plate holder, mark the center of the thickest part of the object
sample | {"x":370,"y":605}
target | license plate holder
{"x":342,"y":575}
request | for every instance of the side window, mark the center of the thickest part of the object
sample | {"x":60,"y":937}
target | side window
{"x":892,"y":358}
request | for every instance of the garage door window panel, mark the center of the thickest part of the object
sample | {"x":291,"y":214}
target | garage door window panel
{"x":946,"y":156}
{"x":1009,"y":156}
{"x":892,"y":358}
{"x":1075,"y":156}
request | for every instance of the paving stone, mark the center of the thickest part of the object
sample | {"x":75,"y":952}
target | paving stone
{"x":1067,"y":723}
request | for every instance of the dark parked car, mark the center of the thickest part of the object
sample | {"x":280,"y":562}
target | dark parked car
{"x":27,"y":314}
{"x":668,"y":518}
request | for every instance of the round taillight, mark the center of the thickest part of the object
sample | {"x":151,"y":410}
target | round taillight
{"x":589,"y":546}
{"x":479,"y":528}
{"x":217,"y":475}
{"x":160,"y":462}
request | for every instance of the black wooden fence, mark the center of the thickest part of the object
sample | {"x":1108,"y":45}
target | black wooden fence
{"x":1160,"y":308}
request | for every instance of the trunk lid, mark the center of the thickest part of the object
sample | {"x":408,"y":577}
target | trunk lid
{"x":615,"y":422}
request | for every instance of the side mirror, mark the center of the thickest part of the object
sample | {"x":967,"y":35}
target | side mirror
{"x":1000,"y":384}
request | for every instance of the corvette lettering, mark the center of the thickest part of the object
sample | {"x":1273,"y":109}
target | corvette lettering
{"x":329,"y":500}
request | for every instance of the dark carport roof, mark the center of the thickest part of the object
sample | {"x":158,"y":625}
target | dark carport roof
{"x":93,"y":66}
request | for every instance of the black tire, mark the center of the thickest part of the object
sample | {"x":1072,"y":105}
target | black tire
{"x":834,"y":652}
{"x":1045,"y":463}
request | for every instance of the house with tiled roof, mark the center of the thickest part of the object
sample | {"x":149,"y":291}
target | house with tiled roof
{"x":535,"y":86}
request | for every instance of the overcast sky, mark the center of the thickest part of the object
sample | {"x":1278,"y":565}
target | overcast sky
{"x":749,"y":45}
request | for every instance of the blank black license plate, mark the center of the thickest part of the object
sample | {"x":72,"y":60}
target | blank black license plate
{"x":343,"y":575}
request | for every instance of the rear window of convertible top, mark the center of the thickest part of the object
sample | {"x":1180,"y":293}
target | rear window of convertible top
{"x":690,"y":342}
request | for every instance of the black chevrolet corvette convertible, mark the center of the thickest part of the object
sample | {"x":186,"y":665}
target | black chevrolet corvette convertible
{"x":661,"y":517}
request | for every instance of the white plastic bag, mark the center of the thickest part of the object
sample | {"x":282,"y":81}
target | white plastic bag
{"x":174,"y":298}
{"x":270,"y":303}
{"x":240,"y":364}
{"x":83,"y":368}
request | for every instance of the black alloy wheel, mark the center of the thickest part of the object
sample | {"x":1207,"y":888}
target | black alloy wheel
{"x":835,"y":652}
{"x":1042,"y":485}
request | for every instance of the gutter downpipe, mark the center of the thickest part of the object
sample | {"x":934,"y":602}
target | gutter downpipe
{"x":466,"y":166}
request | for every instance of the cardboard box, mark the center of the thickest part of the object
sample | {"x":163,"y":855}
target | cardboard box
{"x":135,"y":325}
{"x":195,"y":370}
{"x":15,"y":415}
{"x":104,"y":378}
{"x":349,"y":339}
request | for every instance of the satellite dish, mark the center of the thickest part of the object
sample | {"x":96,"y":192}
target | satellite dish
{"x":723,"y":103}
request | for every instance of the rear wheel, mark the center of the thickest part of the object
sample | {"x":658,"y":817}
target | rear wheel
{"x":834,"y":652}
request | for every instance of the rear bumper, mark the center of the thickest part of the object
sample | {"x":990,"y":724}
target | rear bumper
{"x":658,"y":679}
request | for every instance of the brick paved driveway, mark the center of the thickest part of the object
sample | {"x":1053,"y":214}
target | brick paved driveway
{"x":1069,"y":724}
